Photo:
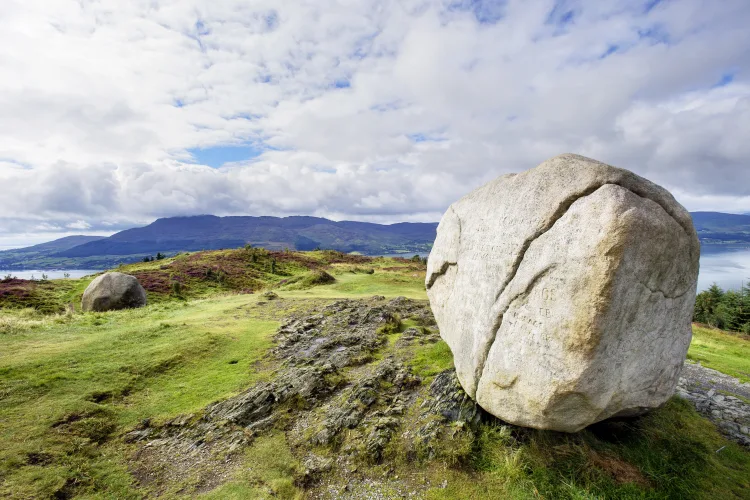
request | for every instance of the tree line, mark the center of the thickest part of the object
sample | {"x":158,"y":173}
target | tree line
{"x":728,"y":310}
{"x":151,"y":258}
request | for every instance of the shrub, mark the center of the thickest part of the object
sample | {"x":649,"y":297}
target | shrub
{"x":363,"y":270}
{"x":317,"y":277}
{"x":218,"y":276}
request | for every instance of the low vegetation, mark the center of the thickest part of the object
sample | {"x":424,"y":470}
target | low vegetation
{"x":723,"y":351}
{"x":72,"y":385}
{"x":44,"y":296}
{"x":204,"y":274}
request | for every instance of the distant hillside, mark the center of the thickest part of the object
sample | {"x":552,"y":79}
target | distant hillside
{"x":720,"y":228}
{"x":38,"y":255}
{"x":208,"y":232}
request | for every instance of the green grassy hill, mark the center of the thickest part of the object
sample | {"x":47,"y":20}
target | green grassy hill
{"x":74,"y":386}
{"x":203,"y":274}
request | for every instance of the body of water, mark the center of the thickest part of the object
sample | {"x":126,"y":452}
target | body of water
{"x":28,"y":274}
{"x":726,"y":266}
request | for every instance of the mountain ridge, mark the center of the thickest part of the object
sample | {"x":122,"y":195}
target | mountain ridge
{"x":42,"y":251}
{"x":210,"y":232}
{"x":722,"y":228}
{"x":171,"y":235}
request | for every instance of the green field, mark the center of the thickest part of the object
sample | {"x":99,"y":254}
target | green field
{"x":72,"y":384}
{"x":722,"y":351}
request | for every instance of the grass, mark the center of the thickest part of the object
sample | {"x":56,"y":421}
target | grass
{"x":670,"y":453}
{"x":726,"y":352}
{"x":431,"y":359}
{"x":66,"y":388}
{"x":48,"y":297}
{"x":72,"y":384}
{"x":349,"y":285}
{"x":246,"y":270}
{"x":269,"y":469}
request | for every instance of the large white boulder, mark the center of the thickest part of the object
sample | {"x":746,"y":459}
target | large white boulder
{"x":566,"y":293}
{"x":112,"y":291}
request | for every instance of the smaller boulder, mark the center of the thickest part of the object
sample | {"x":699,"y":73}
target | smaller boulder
{"x":112,"y":291}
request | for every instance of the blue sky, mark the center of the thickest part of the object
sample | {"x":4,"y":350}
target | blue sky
{"x":217,"y":156}
{"x":122,"y":112}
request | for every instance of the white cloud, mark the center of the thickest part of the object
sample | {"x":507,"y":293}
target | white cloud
{"x":79,"y":224}
{"x":378,"y":110}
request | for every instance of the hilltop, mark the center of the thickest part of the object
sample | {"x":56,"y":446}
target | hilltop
{"x":203,"y":274}
{"x":258,"y":374}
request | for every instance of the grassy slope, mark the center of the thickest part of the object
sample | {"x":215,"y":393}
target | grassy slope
{"x":351,"y":282}
{"x":70,"y":385}
{"x":204,"y":274}
{"x":64,"y":385}
{"x":726,"y":352}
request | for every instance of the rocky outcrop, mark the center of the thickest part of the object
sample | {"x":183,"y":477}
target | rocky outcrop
{"x":566,"y":293}
{"x":340,"y":385}
{"x":112,"y":291}
{"x":349,"y":398}
{"x":722,"y":399}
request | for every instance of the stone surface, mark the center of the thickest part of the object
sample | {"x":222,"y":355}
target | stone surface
{"x":566,"y":293}
{"x":722,"y":399}
{"x":338,"y":384}
{"x":113,"y":291}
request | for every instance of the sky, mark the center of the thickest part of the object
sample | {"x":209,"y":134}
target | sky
{"x":116,"y":112}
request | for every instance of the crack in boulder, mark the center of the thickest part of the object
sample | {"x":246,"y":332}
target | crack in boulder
{"x":559,"y":213}
{"x":499,"y":321}
{"x":663,"y":293}
{"x":446,"y":265}
{"x":435,"y":275}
